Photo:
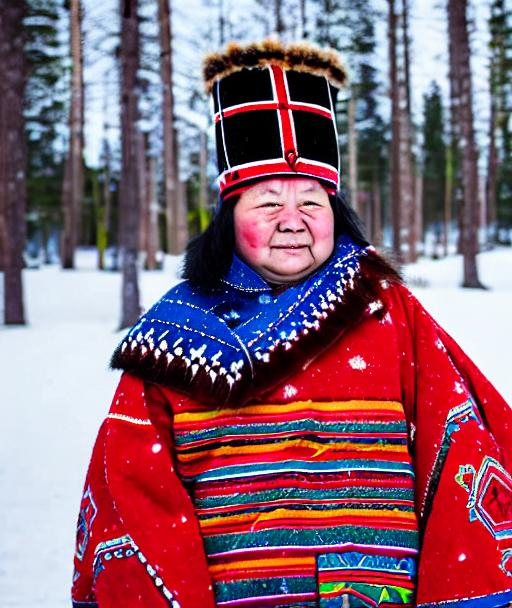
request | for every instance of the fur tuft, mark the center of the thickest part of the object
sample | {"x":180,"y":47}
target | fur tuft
{"x":300,"y":56}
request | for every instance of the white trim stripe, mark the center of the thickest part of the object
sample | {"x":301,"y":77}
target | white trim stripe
{"x":290,"y":113}
{"x":125,"y":418}
{"x":222,"y":126}
{"x":271,"y":161}
{"x":279,"y":120}
{"x":333,"y":116}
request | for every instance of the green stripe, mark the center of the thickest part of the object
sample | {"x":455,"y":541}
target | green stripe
{"x":261,"y":587}
{"x":299,"y":466}
{"x":394,"y":593}
{"x":242,"y":498}
{"x":364,"y":535}
{"x":306,"y":425}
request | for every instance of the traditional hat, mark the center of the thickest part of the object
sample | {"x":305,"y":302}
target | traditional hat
{"x":274,"y":107}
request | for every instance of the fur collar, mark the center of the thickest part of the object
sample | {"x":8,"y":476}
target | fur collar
{"x":228,"y":344}
{"x":298,"y":56}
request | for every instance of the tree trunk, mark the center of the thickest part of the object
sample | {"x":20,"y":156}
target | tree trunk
{"x":180,"y":217}
{"x":13,"y":157}
{"x":408,"y":195}
{"x":203,"y":180}
{"x":142,"y":150}
{"x":352,"y":153}
{"x":406,"y":181}
{"x":490,"y":186}
{"x":418,"y":208}
{"x":396,"y":202}
{"x":377,"y":211}
{"x":278,"y":10}
{"x":407,"y":61}
{"x":303,"y":23}
{"x":152,"y":221}
{"x":176,"y":239}
{"x":129,"y":187}
{"x":222,"y":24}
{"x":104,"y":220}
{"x":461,"y":98}
{"x":73,"y":173}
{"x":448,"y":197}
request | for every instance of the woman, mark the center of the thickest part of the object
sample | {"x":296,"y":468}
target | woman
{"x":292,"y":428}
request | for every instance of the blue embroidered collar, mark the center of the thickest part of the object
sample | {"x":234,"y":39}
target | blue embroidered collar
{"x":244,"y":278}
{"x":227,"y":343}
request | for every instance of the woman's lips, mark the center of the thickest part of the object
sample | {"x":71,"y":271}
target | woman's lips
{"x":290,"y":246}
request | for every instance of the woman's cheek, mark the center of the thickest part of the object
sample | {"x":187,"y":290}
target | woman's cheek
{"x":248,"y":236}
{"x":324,"y":226}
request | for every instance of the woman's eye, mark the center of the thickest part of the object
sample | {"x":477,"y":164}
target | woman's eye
{"x":270,"y":204}
{"x":311,"y":204}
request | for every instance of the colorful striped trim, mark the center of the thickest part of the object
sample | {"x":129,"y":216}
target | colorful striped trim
{"x":276,"y":486}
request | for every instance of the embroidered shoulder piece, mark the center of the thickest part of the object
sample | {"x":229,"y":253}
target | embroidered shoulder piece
{"x":227,"y":344}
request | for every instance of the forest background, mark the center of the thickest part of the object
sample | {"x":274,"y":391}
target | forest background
{"x":107,"y":142}
{"x":107,"y":168}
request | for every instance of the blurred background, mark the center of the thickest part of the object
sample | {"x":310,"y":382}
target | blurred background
{"x":108,"y":168}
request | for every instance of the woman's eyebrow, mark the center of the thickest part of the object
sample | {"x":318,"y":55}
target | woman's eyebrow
{"x":269,"y":191}
{"x":310,"y":189}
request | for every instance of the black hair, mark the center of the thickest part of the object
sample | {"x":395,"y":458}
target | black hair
{"x":209,"y":256}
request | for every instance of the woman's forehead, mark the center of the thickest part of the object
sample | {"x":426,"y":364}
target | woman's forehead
{"x":279,"y":186}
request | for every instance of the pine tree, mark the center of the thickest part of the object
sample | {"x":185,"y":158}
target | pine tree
{"x":396,"y":131}
{"x":372,"y":145}
{"x":499,"y":178}
{"x":13,"y":163}
{"x":45,"y":117}
{"x":129,"y":187}
{"x":434,"y":163}
{"x":349,"y":27}
{"x":177,"y":229}
{"x":72,"y":186}
{"x":461,"y":92}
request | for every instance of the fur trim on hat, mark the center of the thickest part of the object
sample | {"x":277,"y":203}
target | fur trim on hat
{"x":301,"y":56}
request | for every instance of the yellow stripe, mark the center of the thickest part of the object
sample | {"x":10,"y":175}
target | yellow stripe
{"x":294,"y":514}
{"x":325,"y":406}
{"x":263,"y":563}
{"x":320,"y":448}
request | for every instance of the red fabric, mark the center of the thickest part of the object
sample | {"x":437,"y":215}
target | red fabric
{"x":460,"y":558}
{"x":137,"y":492}
{"x":464,"y":493}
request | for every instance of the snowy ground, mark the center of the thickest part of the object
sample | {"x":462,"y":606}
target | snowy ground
{"x":56,"y":388}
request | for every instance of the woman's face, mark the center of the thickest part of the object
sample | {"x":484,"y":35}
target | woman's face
{"x":284,"y":228}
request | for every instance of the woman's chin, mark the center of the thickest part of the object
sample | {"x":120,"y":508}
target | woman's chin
{"x":287,"y":273}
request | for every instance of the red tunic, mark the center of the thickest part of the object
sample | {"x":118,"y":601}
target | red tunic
{"x":142,"y":533}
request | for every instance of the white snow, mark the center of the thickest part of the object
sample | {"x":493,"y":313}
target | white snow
{"x":56,"y":388}
{"x":289,"y":391}
{"x":357,"y":362}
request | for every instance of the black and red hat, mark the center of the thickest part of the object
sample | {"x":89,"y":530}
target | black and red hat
{"x":274,"y":108}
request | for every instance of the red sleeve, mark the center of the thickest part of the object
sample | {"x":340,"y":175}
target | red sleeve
{"x":462,"y":460}
{"x":138,"y":541}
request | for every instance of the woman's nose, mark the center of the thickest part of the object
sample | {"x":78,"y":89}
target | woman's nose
{"x":290,"y":220}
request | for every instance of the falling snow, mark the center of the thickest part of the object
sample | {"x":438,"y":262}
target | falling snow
{"x":289,"y":391}
{"x":440,"y":345}
{"x":357,"y":362}
{"x":459,"y":388}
